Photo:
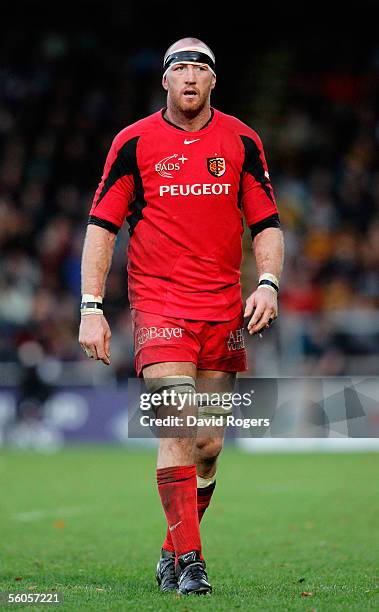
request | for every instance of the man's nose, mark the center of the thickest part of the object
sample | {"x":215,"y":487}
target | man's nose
{"x":190,"y":74}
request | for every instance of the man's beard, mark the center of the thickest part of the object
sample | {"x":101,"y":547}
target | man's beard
{"x":191,"y":113}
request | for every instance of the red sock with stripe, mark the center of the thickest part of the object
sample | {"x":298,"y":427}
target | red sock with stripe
{"x":177,"y":488}
{"x":204,"y":496}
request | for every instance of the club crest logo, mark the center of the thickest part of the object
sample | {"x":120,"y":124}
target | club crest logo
{"x":216,"y":165}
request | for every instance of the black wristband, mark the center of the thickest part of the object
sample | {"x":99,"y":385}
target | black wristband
{"x":265,"y":281}
{"x":85,"y":305}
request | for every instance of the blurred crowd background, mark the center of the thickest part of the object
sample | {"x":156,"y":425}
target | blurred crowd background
{"x":70,"y":82}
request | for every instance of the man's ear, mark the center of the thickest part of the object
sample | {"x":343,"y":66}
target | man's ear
{"x":164,"y":83}
{"x":213,"y":85}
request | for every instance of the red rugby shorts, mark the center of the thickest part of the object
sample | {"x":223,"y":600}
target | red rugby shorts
{"x":209,"y":345}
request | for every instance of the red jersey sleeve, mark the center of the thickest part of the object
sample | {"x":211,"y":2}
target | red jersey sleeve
{"x":116,"y":189}
{"x":257,"y":196}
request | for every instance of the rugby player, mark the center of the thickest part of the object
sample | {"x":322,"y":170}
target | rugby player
{"x":184,"y":178}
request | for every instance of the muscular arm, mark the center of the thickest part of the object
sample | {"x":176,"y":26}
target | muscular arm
{"x":94,"y":332}
{"x":268,"y":247}
{"x":96,"y":259}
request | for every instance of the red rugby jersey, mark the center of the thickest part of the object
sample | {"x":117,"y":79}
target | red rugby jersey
{"x":184,"y":195}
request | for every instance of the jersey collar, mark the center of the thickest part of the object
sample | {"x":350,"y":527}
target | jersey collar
{"x":211,"y":121}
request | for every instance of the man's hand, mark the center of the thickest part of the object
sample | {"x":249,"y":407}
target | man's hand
{"x":264,"y":304}
{"x":95,"y":336}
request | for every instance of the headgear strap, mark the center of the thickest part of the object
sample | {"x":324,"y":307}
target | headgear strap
{"x":192,"y":55}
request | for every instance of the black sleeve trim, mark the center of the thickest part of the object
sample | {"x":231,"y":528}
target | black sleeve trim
{"x":253,"y":165}
{"x":272,"y":221}
{"x":123,"y":165}
{"x":126,"y":164}
{"x":111,"y":227}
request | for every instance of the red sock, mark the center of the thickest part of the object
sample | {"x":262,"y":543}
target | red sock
{"x":178,"y":492}
{"x":204,"y":496}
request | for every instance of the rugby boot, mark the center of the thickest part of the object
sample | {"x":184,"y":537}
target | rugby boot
{"x":192,"y":577}
{"x":165,"y":574}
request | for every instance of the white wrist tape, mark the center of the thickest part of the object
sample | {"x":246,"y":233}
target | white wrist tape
{"x":88,"y":297}
{"x":270,"y":277}
{"x":88,"y":311}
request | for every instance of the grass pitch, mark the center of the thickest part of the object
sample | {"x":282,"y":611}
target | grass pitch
{"x":284,"y":532}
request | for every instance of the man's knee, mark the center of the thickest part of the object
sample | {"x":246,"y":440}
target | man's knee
{"x":173,"y":391}
{"x":208,"y":449}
